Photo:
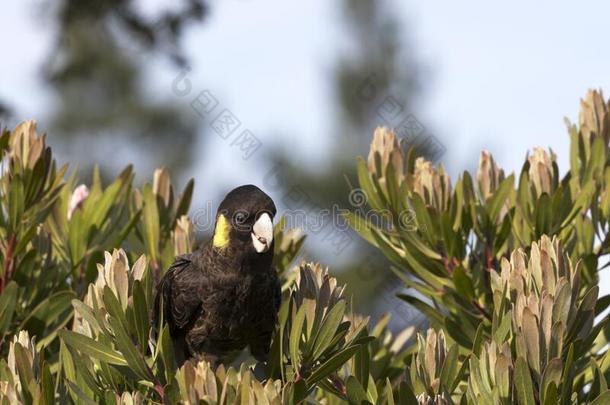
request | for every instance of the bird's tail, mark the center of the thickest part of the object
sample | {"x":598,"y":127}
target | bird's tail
{"x":161,"y":306}
{"x":161,"y":313}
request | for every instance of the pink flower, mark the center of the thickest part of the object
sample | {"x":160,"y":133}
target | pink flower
{"x":77,"y":199}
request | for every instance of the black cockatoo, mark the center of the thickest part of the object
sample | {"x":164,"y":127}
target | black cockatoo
{"x":226,"y":295}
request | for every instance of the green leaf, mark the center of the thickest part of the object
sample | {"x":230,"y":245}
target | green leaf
{"x":184,"y":202}
{"x":83,"y":373}
{"x":82,"y":397}
{"x":389,"y":395}
{"x":602,"y":399}
{"x":362,"y":365}
{"x":582,"y":200}
{"x":458,"y":205}
{"x":167,"y":353}
{"x":151,"y":223}
{"x":551,"y":376}
{"x":501,"y":333}
{"x":433,"y":314}
{"x":406,"y":395}
{"x":77,"y":239}
{"x":496,"y":202}
{"x":596,"y":161}
{"x":463,"y":284}
{"x":366,"y":183}
{"x":47,"y":312}
{"x":449,"y":372}
{"x":127,"y":229}
{"x":531,"y":335}
{"x":295,"y":337}
{"x":113,"y":306}
{"x":361,"y":226}
{"x":567,"y":377}
{"x":276,"y":353}
{"x":16,"y":203}
{"x":477,"y":342}
{"x":328,"y":329}
{"x":356,"y":395}
{"x":66,"y":363}
{"x":140,"y":311}
{"x":332,"y":364}
{"x":523,"y":383}
{"x":461,"y":331}
{"x":602,"y":303}
{"x":299,"y":392}
{"x":97,"y":209}
{"x":87,"y":313}
{"x":24,"y":369}
{"x":588,"y":302}
{"x":424,"y":220}
{"x":132,"y":356}
{"x":92,"y":348}
{"x":8,"y":301}
{"x":47,"y":386}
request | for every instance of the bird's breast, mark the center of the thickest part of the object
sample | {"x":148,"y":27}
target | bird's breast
{"x":241,"y":306}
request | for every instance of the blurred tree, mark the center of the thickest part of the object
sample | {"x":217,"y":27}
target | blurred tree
{"x":97,"y":69}
{"x":5,"y":114}
{"x":375,"y":83}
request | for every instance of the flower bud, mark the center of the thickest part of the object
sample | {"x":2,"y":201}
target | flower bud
{"x":162,"y":185}
{"x":27,"y":146}
{"x":489,"y":175}
{"x":431,"y":353}
{"x":432,"y":184}
{"x":31,"y":356}
{"x":183,"y":235}
{"x":385,"y":150}
{"x":541,"y":171}
{"x":78,"y":197}
{"x":594,"y":119}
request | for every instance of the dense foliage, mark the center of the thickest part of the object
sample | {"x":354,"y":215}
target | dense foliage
{"x":505,"y":267}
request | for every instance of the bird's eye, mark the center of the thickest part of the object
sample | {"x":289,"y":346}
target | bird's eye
{"x":240,"y":217}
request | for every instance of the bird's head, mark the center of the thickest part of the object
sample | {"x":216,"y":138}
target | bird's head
{"x":245,"y":217}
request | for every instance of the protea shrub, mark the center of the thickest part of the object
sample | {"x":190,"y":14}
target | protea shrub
{"x":504,"y":267}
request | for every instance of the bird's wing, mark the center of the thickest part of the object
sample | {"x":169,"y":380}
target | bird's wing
{"x":179,"y":290}
{"x":260,"y":344}
{"x":277,"y":296}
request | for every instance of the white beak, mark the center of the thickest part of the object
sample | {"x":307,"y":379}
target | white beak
{"x":262,"y":233}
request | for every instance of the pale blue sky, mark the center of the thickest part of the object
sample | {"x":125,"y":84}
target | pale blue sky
{"x":500,"y":76}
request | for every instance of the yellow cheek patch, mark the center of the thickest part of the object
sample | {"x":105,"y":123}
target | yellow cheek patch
{"x":221,"y":233}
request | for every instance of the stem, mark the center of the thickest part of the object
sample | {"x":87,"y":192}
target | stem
{"x":9,"y":262}
{"x":156,"y":271}
{"x":160,"y":391}
{"x":339,"y":385}
{"x":481,"y":310}
{"x":488,"y":258}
